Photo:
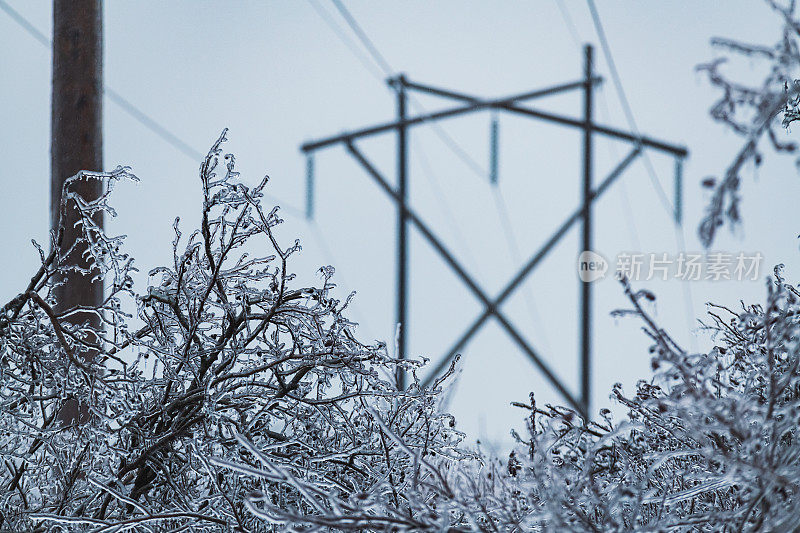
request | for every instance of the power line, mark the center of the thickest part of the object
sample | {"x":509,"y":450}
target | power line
{"x":508,"y":230}
{"x":601,"y":34}
{"x":391,"y":72}
{"x":134,"y":112}
{"x":365,"y":62}
{"x":172,"y":139}
{"x":680,"y":236}
{"x":461,"y":153}
{"x":27,"y":26}
{"x":442,"y":199}
{"x":449,"y":143}
{"x":573,"y":31}
{"x":678,"y":229}
{"x":388,"y":70}
{"x":505,"y":221}
{"x":365,"y":40}
{"x":623,"y":191}
{"x":152,"y":125}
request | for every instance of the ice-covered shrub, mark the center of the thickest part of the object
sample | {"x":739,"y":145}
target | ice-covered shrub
{"x":710,"y":443}
{"x":241,"y":402}
{"x":752,"y":111}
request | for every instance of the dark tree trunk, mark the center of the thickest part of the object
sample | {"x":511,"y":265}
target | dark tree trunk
{"x":76,"y":139}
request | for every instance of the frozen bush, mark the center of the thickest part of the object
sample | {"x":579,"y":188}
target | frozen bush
{"x":241,"y":403}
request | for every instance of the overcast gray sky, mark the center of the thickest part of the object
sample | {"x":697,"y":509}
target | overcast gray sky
{"x":277,"y":75}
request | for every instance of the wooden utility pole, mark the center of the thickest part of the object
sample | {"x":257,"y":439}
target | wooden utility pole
{"x":76,"y":141}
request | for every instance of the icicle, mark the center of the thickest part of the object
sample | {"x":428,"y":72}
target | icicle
{"x":310,"y":186}
{"x":679,"y":190}
{"x":493,"y":140}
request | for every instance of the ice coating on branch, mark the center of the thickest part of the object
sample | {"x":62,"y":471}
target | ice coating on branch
{"x":752,"y":111}
{"x":237,"y":401}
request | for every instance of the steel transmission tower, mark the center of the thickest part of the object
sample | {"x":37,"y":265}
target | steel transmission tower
{"x":583,"y":213}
